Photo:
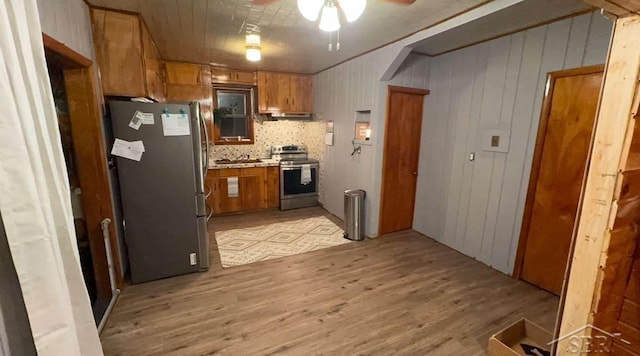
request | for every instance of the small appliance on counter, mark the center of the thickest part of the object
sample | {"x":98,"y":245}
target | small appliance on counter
{"x":298,"y":176}
{"x":162,"y":186}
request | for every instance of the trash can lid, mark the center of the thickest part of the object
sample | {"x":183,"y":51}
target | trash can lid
{"x":355,"y":192}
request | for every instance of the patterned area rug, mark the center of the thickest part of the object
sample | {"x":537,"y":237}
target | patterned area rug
{"x":261,"y":243}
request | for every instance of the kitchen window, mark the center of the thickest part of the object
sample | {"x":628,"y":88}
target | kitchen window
{"x":233,"y":116}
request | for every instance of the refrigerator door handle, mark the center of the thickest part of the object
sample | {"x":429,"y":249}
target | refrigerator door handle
{"x":205,"y":161}
{"x":210,"y":214}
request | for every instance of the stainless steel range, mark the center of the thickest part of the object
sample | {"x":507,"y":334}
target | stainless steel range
{"x":298,"y":176}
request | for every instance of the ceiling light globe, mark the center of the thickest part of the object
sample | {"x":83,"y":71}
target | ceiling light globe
{"x":252,"y":39}
{"x":352,"y":8}
{"x":329,"y":20}
{"x":253,"y":54}
{"x":310,"y":9}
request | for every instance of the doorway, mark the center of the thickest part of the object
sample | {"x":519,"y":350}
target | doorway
{"x":403,"y":129}
{"x":559,"y":163}
{"x":73,"y":88}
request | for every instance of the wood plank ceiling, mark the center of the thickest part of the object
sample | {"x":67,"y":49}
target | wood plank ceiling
{"x":212,"y":31}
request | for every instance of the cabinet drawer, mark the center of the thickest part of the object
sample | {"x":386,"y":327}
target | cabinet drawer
{"x":229,"y":172}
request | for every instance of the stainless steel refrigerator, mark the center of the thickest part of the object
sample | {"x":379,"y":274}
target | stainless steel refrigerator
{"x":162,"y":195}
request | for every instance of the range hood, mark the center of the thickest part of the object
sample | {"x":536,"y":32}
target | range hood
{"x":292,"y":116}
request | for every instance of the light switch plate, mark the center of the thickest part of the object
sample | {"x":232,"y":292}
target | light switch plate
{"x":192,"y":259}
{"x":495,"y":140}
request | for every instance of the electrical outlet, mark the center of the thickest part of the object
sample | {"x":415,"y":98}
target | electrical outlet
{"x":193,"y":259}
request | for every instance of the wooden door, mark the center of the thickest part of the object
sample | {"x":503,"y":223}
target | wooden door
{"x":400,"y":162}
{"x":562,"y":147}
{"x":90,"y":160}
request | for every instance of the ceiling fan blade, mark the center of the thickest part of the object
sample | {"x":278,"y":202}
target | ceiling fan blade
{"x":262,"y":2}
{"x":400,"y":2}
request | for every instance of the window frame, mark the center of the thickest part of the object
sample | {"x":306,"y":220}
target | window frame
{"x":249,"y":116}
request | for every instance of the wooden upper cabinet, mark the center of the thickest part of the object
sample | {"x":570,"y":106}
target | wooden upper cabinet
{"x":200,"y":93}
{"x":301,"y":87}
{"x":129,"y":61}
{"x":232,"y":76}
{"x":154,"y":68}
{"x":285,"y":93}
{"x":188,"y":74}
{"x":268,"y":92}
{"x":119,"y":52}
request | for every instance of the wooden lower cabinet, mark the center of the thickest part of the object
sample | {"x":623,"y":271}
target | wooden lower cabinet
{"x":273,"y":187}
{"x":258,"y":188}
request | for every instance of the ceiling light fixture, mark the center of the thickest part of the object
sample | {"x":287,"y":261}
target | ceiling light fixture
{"x":330,"y":21}
{"x":252,"y":47}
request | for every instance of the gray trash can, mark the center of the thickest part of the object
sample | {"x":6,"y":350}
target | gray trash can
{"x":354,"y":214}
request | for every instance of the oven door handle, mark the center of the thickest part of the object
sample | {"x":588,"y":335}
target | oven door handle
{"x":294,"y":168}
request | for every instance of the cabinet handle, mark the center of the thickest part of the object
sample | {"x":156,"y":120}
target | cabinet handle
{"x":293,"y":101}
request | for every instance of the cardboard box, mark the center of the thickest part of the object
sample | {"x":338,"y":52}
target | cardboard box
{"x":507,"y":342}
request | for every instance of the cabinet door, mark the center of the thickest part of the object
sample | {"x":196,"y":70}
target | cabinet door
{"x":153,"y":66}
{"x":301,"y":93}
{"x":254,"y":188}
{"x":283,"y":91}
{"x":230,"y":76}
{"x":269,"y":92}
{"x":242,"y":77}
{"x":117,"y":40}
{"x":184,"y":92}
{"x":184,"y":73}
{"x":273,"y":187}
{"x":221,"y":201}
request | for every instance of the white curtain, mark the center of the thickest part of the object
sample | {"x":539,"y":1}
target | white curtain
{"x":34,"y":192}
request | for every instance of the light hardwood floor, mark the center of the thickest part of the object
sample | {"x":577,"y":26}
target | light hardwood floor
{"x":400,"y":294}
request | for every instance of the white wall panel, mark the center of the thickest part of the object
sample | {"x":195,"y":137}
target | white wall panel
{"x":339,"y":92}
{"x":476,"y":207}
{"x":68,"y":21}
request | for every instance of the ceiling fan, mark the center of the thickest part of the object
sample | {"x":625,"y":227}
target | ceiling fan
{"x":327,"y":10}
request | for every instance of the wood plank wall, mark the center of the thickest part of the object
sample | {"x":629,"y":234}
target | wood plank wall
{"x":603,"y":281}
{"x":338,"y":93}
{"x":477,"y":207}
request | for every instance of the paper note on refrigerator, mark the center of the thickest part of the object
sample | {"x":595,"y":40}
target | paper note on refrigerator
{"x":232,"y":187}
{"x":146,"y":117}
{"x":175,"y":124}
{"x":136,"y":121}
{"x":130,"y":150}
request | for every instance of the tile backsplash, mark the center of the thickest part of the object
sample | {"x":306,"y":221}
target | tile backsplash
{"x":281,"y":132}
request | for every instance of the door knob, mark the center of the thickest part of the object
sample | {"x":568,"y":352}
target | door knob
{"x":415,"y":173}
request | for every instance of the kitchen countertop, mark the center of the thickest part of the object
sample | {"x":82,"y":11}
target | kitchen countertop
{"x":267,"y":162}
